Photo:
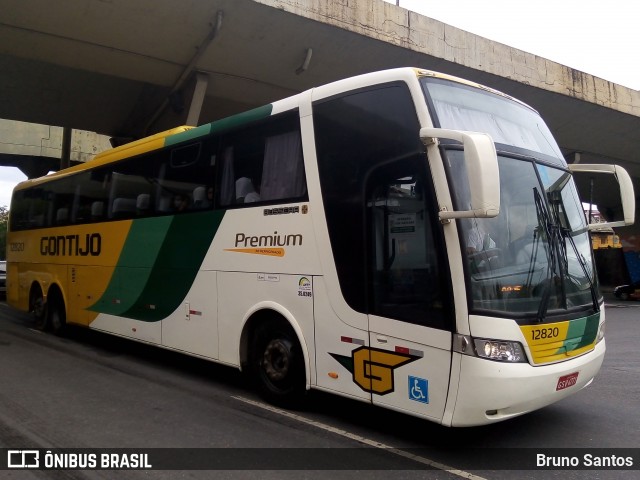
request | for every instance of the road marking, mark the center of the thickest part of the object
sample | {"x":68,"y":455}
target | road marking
{"x":363,"y":440}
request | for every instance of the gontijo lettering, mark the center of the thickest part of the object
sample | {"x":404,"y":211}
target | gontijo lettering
{"x":71,"y":245}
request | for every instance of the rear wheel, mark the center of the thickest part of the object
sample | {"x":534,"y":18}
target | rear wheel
{"x":38,"y":309}
{"x":624,"y":296}
{"x":57,"y":314}
{"x":278,"y":364}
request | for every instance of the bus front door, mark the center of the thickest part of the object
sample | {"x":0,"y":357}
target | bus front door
{"x":409,"y":318}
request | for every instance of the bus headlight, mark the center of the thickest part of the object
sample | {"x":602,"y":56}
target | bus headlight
{"x":600,"y":333}
{"x":499,"y":350}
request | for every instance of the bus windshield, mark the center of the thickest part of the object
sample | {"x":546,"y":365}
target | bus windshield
{"x":508,"y":121}
{"x":534,"y":259}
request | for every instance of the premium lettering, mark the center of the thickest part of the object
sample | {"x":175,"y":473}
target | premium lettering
{"x":275,"y":240}
{"x":71,"y":245}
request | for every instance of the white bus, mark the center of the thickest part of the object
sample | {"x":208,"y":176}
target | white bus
{"x":403,"y":238}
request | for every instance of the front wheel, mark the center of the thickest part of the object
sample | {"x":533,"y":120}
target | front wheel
{"x":278,"y":364}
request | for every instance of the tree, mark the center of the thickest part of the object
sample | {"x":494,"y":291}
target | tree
{"x":4,"y":223}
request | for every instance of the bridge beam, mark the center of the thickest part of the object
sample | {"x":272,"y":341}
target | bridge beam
{"x":33,"y":166}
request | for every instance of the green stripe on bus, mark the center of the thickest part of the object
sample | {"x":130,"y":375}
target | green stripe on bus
{"x":139,"y":254}
{"x":241,"y":118}
{"x":177,"y":265}
{"x":158,"y":264}
{"x":581,"y":332}
{"x":221,"y":125}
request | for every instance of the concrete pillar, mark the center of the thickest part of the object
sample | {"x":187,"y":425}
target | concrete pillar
{"x":200,"y":83}
{"x":182,"y":107}
{"x":65,"y":157}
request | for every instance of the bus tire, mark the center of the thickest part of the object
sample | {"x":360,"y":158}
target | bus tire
{"x":56,"y":313}
{"x":38,"y":309}
{"x":278,"y":364}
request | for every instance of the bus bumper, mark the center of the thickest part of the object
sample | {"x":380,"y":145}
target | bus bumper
{"x":492,"y":391}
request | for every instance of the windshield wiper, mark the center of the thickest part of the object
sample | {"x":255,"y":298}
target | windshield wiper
{"x":557,"y":256}
{"x":583,"y":265}
{"x":555,"y":198}
{"x":552,"y":232}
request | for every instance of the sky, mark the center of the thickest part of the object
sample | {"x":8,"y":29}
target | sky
{"x":599,"y":38}
{"x":596,"y":37}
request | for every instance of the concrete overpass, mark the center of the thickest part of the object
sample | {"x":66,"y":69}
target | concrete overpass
{"x":127,"y":68}
{"x":130,"y":68}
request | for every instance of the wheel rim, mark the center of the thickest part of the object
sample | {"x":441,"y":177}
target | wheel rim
{"x":277,"y":360}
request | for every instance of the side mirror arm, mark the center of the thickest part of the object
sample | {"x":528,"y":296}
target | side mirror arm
{"x":482,"y":168}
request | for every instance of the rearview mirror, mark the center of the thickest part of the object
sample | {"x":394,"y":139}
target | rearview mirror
{"x":482,"y":168}
{"x":597,"y":185}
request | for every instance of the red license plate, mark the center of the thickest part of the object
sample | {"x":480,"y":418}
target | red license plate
{"x":567,"y":381}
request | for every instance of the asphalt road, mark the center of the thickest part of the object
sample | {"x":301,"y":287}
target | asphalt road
{"x":89,"y":390}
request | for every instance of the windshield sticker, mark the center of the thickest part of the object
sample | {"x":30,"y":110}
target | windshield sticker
{"x":402,"y":224}
{"x":544,"y":175}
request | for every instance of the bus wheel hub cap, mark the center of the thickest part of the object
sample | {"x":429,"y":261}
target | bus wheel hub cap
{"x":276,"y":359}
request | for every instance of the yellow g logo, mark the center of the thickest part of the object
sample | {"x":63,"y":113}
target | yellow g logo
{"x":372,"y":369}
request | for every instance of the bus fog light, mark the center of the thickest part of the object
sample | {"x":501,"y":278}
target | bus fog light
{"x":500,"y":350}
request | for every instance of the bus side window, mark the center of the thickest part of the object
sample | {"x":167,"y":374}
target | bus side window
{"x":123,"y":208}
{"x":143,"y":205}
{"x":28,"y":209}
{"x":62,"y":193}
{"x":62,"y":216}
{"x":184,"y":178}
{"x":283,"y":168}
{"x":97,"y":211}
{"x":263,"y":163}
{"x":199,"y":196}
{"x":89,"y":198}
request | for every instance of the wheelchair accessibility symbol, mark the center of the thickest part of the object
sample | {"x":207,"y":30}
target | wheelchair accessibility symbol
{"x":419,"y":389}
